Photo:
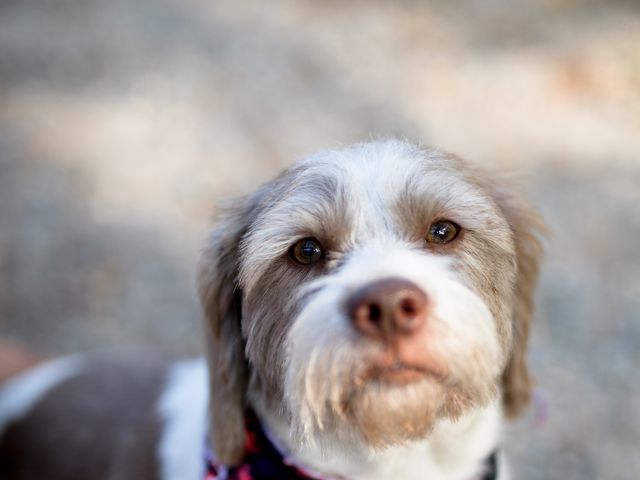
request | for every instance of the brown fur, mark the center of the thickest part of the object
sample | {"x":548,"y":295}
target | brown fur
{"x":228,"y":371}
{"x":100,"y":425}
{"x":527,"y":227}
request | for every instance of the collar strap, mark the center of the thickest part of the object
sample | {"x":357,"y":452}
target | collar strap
{"x":262,"y":461}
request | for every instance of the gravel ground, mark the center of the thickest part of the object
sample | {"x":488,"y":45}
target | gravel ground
{"x":123,"y":122}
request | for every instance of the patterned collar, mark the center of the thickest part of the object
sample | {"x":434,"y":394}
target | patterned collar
{"x":262,"y":461}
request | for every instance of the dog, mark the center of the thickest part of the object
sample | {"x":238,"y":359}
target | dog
{"x":366,"y":317}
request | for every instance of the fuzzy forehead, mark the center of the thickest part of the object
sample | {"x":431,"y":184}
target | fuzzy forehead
{"x":375,"y":190}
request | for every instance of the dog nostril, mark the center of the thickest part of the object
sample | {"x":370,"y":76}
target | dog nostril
{"x":375,"y":313}
{"x":408,"y":307}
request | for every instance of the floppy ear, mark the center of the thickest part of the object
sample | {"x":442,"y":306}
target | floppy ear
{"x":527,"y":227}
{"x":220,"y":297}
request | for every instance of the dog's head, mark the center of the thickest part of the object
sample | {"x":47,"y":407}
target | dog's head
{"x":369,"y":292}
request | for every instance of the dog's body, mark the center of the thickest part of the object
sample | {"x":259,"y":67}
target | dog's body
{"x":369,"y":305}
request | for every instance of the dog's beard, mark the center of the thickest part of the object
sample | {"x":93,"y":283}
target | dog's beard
{"x":333,"y":393}
{"x":390,"y":414}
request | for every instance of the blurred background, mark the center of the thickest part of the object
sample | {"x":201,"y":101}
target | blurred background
{"x":123,"y":122}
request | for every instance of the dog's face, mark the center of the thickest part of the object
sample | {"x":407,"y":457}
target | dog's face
{"x":369,"y":292}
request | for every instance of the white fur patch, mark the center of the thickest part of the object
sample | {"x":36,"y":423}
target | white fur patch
{"x":19,"y":395}
{"x":182,"y":408}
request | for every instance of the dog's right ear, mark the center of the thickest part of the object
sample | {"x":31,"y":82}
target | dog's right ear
{"x":220,"y":297}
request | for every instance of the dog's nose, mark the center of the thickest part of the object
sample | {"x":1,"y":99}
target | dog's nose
{"x":387,"y":308}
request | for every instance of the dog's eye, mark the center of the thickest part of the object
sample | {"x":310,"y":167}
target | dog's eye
{"x":442,"y":232}
{"x":306,"y":251}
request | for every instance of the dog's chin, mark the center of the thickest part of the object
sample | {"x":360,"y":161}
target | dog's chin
{"x":394,"y":406}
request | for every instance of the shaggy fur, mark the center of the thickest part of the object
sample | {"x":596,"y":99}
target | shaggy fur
{"x":279,"y":333}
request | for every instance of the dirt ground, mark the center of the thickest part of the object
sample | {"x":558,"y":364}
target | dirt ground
{"x":123,"y":122}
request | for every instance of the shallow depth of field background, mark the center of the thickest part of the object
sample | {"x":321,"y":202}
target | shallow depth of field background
{"x":123,"y":122}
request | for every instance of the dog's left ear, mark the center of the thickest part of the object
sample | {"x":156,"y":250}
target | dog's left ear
{"x":221,"y":297}
{"x":527,"y":228}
